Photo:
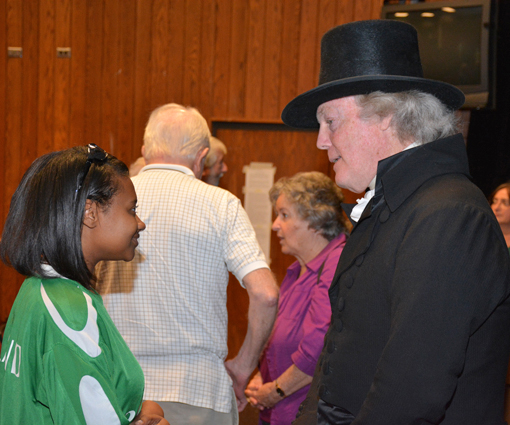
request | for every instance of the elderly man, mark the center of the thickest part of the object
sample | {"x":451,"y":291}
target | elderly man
{"x":169,"y":303}
{"x":420,"y":299}
{"x":215,"y":166}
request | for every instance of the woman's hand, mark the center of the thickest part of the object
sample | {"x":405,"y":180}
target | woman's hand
{"x":151,"y":414}
{"x":251,"y":390}
{"x":150,"y":420}
{"x":262,"y":396}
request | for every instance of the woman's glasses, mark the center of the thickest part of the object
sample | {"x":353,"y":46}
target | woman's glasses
{"x":96,"y":156}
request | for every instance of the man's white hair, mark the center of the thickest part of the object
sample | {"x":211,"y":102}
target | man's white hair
{"x":175,"y":131}
{"x":212,"y":155}
{"x":417,"y":117}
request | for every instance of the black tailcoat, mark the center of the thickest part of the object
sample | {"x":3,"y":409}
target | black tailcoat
{"x":420,"y":330}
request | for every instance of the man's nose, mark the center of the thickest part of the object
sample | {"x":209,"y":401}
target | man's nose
{"x":323,"y":141}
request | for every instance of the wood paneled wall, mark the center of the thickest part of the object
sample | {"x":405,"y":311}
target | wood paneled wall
{"x":232,"y":59}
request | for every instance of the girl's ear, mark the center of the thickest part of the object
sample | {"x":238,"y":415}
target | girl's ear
{"x":90,"y":217}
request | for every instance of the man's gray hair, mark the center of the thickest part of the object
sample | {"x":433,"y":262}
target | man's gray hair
{"x":417,"y":117}
{"x":212,"y":155}
{"x":174,"y":130}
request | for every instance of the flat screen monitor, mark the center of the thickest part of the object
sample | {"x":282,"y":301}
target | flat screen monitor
{"x":455,"y":44}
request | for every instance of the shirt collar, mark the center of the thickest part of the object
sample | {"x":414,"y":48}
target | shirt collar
{"x":50,"y":271}
{"x":172,"y":167}
{"x":315,"y":264}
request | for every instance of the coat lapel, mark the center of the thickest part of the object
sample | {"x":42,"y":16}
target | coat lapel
{"x":358,"y":243}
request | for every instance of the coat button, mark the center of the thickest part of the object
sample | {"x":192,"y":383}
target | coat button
{"x":325,"y":368}
{"x":341,"y":304}
{"x":385,"y":215}
{"x":331,"y":347}
{"x":359,"y":260}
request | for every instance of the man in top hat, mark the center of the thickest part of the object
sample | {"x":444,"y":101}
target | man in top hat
{"x":420,"y":299}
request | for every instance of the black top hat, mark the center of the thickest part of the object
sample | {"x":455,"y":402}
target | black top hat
{"x":363,"y":57}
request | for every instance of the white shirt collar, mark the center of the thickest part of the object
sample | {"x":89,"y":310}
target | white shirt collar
{"x":173,"y":167}
{"x":412,"y":145}
{"x":50,"y":271}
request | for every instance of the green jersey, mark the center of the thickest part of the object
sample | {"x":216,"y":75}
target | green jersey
{"x":63,"y":361}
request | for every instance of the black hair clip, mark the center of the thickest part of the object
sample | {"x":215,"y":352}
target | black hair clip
{"x":96,"y":156}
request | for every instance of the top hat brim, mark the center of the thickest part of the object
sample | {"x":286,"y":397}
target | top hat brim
{"x":301,"y":112}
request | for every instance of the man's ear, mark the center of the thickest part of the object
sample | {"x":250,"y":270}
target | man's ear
{"x":385,"y":123}
{"x":198,"y":162}
{"x":90,"y":217}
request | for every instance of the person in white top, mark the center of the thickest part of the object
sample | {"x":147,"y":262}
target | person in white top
{"x":170,"y":302}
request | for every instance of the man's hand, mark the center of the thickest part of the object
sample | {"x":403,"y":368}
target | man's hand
{"x":263,"y":295}
{"x":239,"y":381}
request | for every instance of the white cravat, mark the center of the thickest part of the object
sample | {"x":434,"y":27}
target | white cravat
{"x":362,"y":203}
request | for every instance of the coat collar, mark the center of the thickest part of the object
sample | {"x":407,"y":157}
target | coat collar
{"x":402,"y":174}
{"x":397,"y":178}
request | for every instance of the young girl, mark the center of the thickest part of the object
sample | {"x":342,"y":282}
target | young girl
{"x":63,"y":360}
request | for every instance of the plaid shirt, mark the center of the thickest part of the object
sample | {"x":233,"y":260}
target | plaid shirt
{"x":169,"y":303}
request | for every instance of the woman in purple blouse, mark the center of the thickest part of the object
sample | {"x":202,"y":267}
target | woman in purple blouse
{"x":311,"y":227}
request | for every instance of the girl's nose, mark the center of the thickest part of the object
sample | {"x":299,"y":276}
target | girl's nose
{"x":141,"y":224}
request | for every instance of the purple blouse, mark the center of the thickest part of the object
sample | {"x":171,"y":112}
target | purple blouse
{"x":304,"y":313}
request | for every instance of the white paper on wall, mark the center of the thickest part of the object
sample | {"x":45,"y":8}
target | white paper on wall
{"x":259,"y":178}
